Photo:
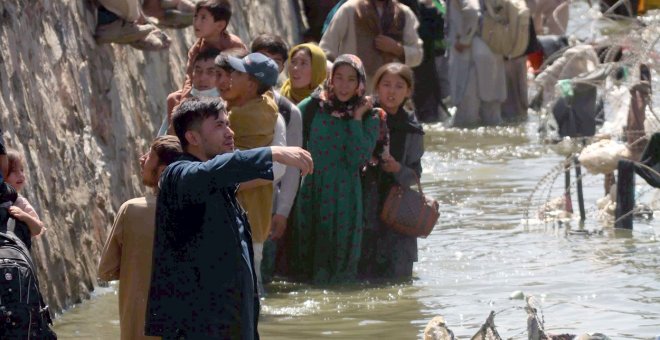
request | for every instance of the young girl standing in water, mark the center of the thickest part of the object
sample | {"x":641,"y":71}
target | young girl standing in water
{"x":387,"y":254}
{"x":326,"y":231}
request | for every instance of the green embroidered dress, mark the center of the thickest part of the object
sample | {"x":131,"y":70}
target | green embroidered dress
{"x":328,"y":216}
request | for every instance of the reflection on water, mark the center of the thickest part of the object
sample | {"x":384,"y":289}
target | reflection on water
{"x":590,"y":279}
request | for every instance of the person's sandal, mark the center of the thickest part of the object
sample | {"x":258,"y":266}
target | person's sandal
{"x":155,"y":41}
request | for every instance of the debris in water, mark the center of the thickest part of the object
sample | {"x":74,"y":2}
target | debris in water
{"x":554,"y":209}
{"x":437,"y":329}
{"x":517,"y":295}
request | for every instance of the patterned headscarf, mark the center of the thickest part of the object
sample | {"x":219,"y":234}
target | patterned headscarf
{"x":319,"y":69}
{"x":326,"y":96}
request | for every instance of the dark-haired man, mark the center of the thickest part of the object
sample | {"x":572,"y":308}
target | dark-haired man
{"x":203,"y":284}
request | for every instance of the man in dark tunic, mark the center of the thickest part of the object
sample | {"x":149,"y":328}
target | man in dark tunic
{"x":203,"y":284}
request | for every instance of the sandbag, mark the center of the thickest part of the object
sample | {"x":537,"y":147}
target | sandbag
{"x":603,"y":156}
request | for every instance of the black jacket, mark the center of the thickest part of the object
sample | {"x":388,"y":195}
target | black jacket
{"x":201,"y":283}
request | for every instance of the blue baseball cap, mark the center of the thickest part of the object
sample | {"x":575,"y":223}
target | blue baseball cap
{"x":258,"y":66}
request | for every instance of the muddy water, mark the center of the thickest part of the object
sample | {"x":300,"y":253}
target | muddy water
{"x":588,"y":277}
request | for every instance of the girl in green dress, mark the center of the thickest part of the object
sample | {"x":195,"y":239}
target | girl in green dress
{"x":340,"y":130}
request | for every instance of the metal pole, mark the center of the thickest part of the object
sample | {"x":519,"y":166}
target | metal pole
{"x":625,"y":195}
{"x":578,"y":178}
{"x":567,"y":187}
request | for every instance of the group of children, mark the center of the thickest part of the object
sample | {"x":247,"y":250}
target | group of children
{"x":325,"y":228}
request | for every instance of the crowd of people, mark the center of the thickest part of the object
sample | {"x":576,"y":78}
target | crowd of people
{"x":277,"y":160}
{"x":223,"y":190}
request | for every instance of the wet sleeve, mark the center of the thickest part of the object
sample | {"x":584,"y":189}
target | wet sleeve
{"x":412,"y":169}
{"x":362,"y":141}
{"x":111,"y":255}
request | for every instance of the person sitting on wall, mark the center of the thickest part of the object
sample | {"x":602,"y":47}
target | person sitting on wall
{"x":122,"y":22}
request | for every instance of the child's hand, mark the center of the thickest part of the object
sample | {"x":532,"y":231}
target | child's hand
{"x":18,"y":213}
{"x":196,"y":48}
{"x":366,"y":105}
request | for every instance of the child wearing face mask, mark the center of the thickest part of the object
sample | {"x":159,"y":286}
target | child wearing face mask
{"x":22,"y":210}
{"x":203,"y":80}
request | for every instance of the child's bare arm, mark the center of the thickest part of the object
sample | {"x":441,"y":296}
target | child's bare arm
{"x":33,"y":222}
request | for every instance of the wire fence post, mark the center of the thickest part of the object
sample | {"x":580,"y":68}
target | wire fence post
{"x":567,"y":187}
{"x":625,"y":195}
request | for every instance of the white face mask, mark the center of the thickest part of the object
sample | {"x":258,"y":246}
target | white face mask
{"x":212,"y":92}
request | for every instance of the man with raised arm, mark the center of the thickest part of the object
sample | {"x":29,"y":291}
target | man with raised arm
{"x":203,"y":284}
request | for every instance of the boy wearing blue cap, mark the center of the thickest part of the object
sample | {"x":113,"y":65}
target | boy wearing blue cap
{"x":254,"y":117}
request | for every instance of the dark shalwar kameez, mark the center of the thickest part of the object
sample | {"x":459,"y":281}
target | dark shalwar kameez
{"x":203,"y":281}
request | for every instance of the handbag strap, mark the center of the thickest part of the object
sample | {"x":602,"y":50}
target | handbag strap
{"x":419,"y":184}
